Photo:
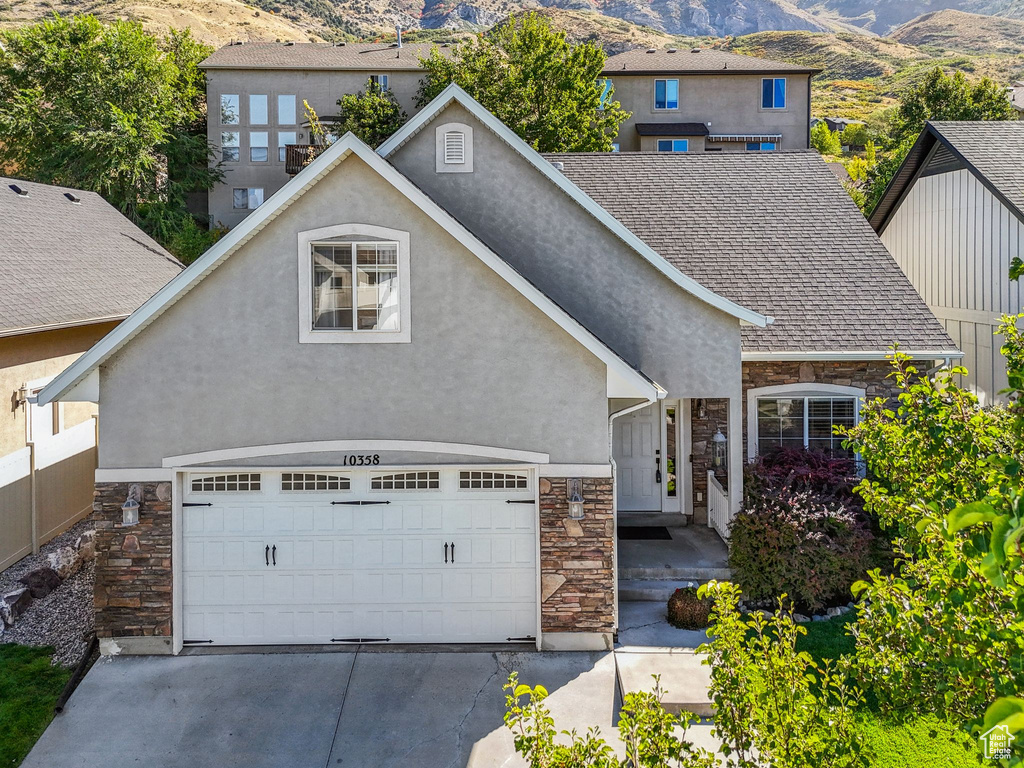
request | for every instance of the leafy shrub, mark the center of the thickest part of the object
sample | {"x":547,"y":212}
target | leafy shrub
{"x":688,"y":610}
{"x":801,"y":532}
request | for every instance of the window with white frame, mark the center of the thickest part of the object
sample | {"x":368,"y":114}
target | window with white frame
{"x":802,"y":416}
{"x":406,"y":481}
{"x":673,"y":145}
{"x":492,"y":481}
{"x":226,"y":483}
{"x":310,"y":481}
{"x":259,"y":146}
{"x":43,"y":422}
{"x":258,"y":109}
{"x":286,"y":109}
{"x":284,"y":138}
{"x":666,"y":94}
{"x":355,"y":286}
{"x":229,"y":147}
{"x":247,"y":197}
{"x":381,"y":81}
{"x":773,"y":93}
{"x":229,"y":110}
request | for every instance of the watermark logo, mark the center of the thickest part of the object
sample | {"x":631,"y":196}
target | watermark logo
{"x":996,"y":743}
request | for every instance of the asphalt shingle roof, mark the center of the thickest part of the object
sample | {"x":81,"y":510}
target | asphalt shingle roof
{"x":995,"y":149}
{"x":672,"y":129}
{"x":684,"y":61}
{"x":66,"y":262}
{"x":328,"y":56}
{"x":773,"y":231}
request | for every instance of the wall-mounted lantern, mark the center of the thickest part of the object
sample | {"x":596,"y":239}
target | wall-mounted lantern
{"x":575,"y":494}
{"x":702,"y":410}
{"x":130,"y":512}
{"x":719,"y":449}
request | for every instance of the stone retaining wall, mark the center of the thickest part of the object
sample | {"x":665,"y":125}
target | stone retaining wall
{"x":133,"y":563}
{"x":577,"y":558}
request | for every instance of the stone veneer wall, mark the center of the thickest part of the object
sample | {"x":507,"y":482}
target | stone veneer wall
{"x":133,"y":563}
{"x":716,"y":417}
{"x":576,"y":558}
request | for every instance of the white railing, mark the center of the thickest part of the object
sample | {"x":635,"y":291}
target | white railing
{"x":719,"y":515}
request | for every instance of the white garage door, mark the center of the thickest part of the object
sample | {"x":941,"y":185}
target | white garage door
{"x":424,"y":556}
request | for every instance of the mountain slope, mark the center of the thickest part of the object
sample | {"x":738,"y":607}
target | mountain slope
{"x":964,"y":32}
{"x":882,"y":16}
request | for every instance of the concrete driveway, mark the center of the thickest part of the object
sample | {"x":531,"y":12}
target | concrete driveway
{"x":316,"y":710}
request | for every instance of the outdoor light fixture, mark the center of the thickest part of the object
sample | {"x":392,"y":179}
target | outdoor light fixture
{"x":702,"y":410}
{"x":130,"y":512}
{"x":719,"y":449}
{"x":575,"y":493}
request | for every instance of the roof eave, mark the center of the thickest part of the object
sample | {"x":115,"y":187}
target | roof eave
{"x":7,"y":332}
{"x":848,"y":355}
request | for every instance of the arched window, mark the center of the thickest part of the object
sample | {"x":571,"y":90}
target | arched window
{"x":800,"y":416}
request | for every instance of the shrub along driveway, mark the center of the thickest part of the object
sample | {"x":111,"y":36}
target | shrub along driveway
{"x":317,"y":710}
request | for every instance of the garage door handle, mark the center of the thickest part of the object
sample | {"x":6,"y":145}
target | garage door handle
{"x":519,"y":501}
{"x":446,"y":551}
{"x":273,"y":554}
{"x":197,"y":504}
{"x":267,"y":554}
{"x":359,"y":503}
{"x":453,"y":551}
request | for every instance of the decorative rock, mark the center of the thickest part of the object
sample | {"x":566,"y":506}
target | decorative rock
{"x":86,"y":545}
{"x":819,"y":618}
{"x":13,"y":604}
{"x":163,"y":491}
{"x":545,"y":485}
{"x":572,"y":528}
{"x":549,"y":584}
{"x":65,"y":561}
{"x":41,"y":581}
{"x":799,"y":618}
{"x":131,"y":543}
{"x":833,"y":612}
{"x":806,"y":372}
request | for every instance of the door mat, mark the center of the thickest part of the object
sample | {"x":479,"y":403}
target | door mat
{"x":644,"y":533}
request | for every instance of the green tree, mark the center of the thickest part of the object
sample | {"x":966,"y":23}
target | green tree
{"x":372,"y":115}
{"x":549,"y":92}
{"x":111,"y":109}
{"x":825,"y":141}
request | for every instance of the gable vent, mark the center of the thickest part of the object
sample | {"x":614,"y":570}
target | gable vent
{"x":21,"y":192}
{"x":455,"y":148}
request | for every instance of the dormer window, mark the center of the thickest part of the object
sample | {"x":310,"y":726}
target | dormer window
{"x":454,"y":148}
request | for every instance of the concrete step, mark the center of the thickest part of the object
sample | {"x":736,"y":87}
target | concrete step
{"x":667,"y":519}
{"x":668,"y":573}
{"x":651,"y":590}
{"x":684,"y":679}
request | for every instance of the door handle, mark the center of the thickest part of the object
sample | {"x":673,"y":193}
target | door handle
{"x":446,"y":551}
{"x":266,"y":554}
{"x":273,"y":554}
{"x":453,"y":551}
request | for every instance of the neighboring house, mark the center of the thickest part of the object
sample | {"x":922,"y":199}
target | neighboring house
{"x":1016,"y":94}
{"x":839,"y":124}
{"x":681,"y":101}
{"x":953,"y":217}
{"x":71,"y":268}
{"x":703,"y":100}
{"x":410,"y":397}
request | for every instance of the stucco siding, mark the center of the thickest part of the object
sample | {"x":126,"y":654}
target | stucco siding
{"x":223,"y":368}
{"x":687,"y":346}
{"x":955,"y":241}
{"x":728,"y":104}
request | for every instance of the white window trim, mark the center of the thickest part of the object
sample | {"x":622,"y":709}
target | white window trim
{"x":33,"y":388}
{"x":440,"y":166}
{"x":307,"y":335}
{"x":795,"y":390}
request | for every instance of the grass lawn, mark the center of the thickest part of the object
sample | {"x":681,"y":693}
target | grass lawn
{"x":29,"y":688}
{"x":918,"y":741}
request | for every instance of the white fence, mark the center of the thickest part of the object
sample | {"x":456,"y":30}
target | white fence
{"x":719,"y":515}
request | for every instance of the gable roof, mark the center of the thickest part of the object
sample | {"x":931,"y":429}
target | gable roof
{"x":65,"y":263}
{"x":774,"y":231}
{"x":697,"y":61}
{"x":992,"y":150}
{"x":625,"y":380}
{"x":323,"y":56}
{"x":453,"y":93}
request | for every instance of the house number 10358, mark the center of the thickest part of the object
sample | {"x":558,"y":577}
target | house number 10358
{"x":360,"y":460}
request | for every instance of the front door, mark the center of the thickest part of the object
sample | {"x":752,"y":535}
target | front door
{"x":637,"y":451}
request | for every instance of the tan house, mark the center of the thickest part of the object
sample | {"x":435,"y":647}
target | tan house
{"x":377,"y":412}
{"x":71,"y":268}
{"x":706,"y":101}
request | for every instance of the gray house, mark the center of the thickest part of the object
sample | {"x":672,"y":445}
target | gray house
{"x":953,"y":218}
{"x":414,"y":396}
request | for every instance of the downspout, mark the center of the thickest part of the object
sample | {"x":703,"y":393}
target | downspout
{"x":615,"y":503}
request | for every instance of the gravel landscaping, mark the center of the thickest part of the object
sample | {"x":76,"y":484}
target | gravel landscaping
{"x":64,"y":618}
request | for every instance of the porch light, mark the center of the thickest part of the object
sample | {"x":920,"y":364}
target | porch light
{"x":130,"y":512}
{"x":575,"y":499}
{"x":719,"y":449}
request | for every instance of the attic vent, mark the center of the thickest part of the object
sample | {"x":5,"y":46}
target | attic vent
{"x":652,"y":50}
{"x":672,"y":50}
{"x":19,"y":191}
{"x":454,"y":148}
{"x":558,"y":166}
{"x":290,"y":42}
{"x":72,"y":198}
{"x":695,"y":50}
{"x":339,"y":45}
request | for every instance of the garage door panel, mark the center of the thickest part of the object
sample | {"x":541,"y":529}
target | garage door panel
{"x":366,"y":571}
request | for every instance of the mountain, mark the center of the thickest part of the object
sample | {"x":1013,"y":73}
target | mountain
{"x":963,"y":32}
{"x":883,"y":16}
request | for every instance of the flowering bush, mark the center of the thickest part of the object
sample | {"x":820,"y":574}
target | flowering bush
{"x":801,"y":531}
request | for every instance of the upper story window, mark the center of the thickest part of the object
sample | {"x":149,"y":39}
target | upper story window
{"x":353,"y":285}
{"x":606,"y":91}
{"x":673,"y":145}
{"x":453,"y":146}
{"x":773,"y":93}
{"x":249,"y":198}
{"x":381,"y":81}
{"x":286,"y":110}
{"x":259,"y":150}
{"x":284,"y":138}
{"x":229,"y":111}
{"x":258,"y":109}
{"x":802,"y":416}
{"x":229,"y":148}
{"x":666,"y":94}
{"x":760,"y":146}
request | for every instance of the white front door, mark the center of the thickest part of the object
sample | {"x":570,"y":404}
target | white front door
{"x":387,"y":555}
{"x":637,"y":438}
